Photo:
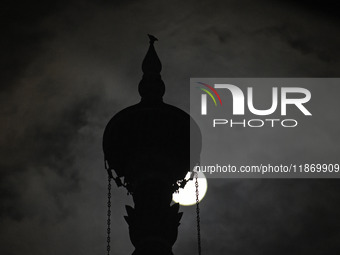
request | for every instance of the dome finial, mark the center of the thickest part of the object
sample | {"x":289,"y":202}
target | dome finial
{"x":151,"y":87}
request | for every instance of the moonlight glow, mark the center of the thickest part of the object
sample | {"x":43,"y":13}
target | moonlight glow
{"x":187,"y":196}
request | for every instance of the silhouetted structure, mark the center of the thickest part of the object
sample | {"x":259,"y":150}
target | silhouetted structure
{"x":148,"y":147}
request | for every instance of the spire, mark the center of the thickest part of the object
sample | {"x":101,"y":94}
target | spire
{"x":151,"y":87}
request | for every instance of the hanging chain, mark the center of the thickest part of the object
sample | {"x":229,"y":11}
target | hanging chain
{"x":108,"y":215}
{"x":198,"y":215}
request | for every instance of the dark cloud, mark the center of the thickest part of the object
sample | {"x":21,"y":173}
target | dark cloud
{"x":321,"y":9}
{"x":22,"y":35}
{"x":266,"y":216}
{"x":67,"y":67}
{"x":304,"y":41}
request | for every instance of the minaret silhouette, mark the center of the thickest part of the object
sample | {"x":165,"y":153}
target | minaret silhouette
{"x":148,"y":147}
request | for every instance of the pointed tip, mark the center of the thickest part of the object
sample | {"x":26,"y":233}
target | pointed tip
{"x":129,"y":210}
{"x":175,"y":207}
{"x":151,"y":86}
{"x":151,"y":63}
{"x":127,"y":219}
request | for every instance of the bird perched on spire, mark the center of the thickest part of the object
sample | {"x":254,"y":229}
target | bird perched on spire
{"x":152,"y":38}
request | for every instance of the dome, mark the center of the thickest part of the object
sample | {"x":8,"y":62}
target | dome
{"x":151,"y":139}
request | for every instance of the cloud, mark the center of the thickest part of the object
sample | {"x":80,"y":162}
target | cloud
{"x":68,"y":68}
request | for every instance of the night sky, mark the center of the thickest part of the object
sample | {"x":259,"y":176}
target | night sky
{"x":68,"y":66}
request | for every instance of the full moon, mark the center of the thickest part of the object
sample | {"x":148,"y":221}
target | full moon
{"x":187,"y":196}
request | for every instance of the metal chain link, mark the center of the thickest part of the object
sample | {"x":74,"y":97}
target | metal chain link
{"x":198,"y":215}
{"x":108,"y":247}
